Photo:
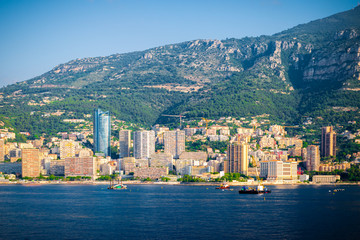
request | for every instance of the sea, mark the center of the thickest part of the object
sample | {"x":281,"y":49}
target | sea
{"x":178,"y":212}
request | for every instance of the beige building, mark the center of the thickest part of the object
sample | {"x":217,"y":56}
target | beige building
{"x":312,"y":158}
{"x":330,"y":168}
{"x":124,"y":143}
{"x":278,"y":170}
{"x":325,"y":178}
{"x":267,"y":141}
{"x":67,"y":149}
{"x":237,"y":158}
{"x":174,"y":142}
{"x":286,"y":142}
{"x":31,"y":162}
{"x":2,"y":150}
{"x":161,"y":160}
{"x":328,"y":142}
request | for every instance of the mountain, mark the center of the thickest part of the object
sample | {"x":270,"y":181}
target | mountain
{"x":311,"y":70}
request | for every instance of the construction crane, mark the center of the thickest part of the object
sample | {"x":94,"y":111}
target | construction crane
{"x":206,"y":122}
{"x":255,"y":165}
{"x":179,"y":116}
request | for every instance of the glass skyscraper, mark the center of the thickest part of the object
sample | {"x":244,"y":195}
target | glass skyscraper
{"x":102,"y":132}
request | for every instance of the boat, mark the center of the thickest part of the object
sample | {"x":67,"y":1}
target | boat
{"x":223,"y":186}
{"x":118,"y":186}
{"x":260,"y":189}
{"x":338,"y":190}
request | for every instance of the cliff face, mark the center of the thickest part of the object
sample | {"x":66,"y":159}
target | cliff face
{"x":254,"y":74}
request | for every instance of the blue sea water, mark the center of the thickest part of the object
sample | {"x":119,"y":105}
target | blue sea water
{"x":177,"y":212}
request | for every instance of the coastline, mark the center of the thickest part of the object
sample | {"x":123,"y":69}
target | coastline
{"x":2,"y":183}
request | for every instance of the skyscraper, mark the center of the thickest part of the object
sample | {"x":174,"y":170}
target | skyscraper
{"x":144,"y":144}
{"x":124,"y":143}
{"x":312,"y":158}
{"x":328,"y":142}
{"x":174,"y":142}
{"x":237,"y":158}
{"x":30,"y":162}
{"x":102,"y":132}
{"x":2,"y":150}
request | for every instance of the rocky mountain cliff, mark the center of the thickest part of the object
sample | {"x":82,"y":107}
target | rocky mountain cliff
{"x":306,"y":70}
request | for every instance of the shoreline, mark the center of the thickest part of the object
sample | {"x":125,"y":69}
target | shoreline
{"x":37,"y":183}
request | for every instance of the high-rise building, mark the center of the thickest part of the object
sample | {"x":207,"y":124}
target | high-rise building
{"x":30,"y":162}
{"x":124,"y":143}
{"x":174,"y":142}
{"x":102,"y":132}
{"x":2,"y":150}
{"x":312,"y":158}
{"x":328,"y":142}
{"x":67,"y":149}
{"x":237,"y":158}
{"x":144,"y":144}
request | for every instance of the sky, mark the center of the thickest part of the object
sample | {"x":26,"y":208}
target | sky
{"x":37,"y":35}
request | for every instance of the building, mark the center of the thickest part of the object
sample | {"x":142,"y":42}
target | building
{"x":15,"y":154}
{"x":312,"y":158}
{"x":124,"y":143}
{"x":333,"y":167}
{"x":286,"y":142}
{"x":328,"y":142}
{"x":102,"y":132}
{"x":11,"y":168}
{"x":325,"y":178}
{"x":144,"y":144}
{"x":76,"y":166}
{"x":2,"y":150}
{"x":278,"y":170}
{"x":295,"y":151}
{"x":67,"y":149}
{"x":218,"y":138}
{"x":174,"y":142}
{"x":57,"y":167}
{"x":237,"y":158}
{"x":150,"y":172}
{"x":190,"y":131}
{"x":161,"y":160}
{"x":267,"y":141}
{"x":31,"y":163}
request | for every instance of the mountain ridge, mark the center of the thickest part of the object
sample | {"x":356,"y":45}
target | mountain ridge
{"x":279,"y":75}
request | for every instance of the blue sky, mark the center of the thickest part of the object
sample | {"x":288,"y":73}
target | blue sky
{"x":37,"y":35}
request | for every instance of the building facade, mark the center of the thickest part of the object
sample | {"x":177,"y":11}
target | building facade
{"x":67,"y":149}
{"x":124,"y":143}
{"x":2,"y":150}
{"x":237,"y":158}
{"x":278,"y":170}
{"x":328,"y":142}
{"x":174,"y":142}
{"x":144,"y":144}
{"x":80,"y":166}
{"x":31,"y":163}
{"x":312,"y":158}
{"x":102,"y":132}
